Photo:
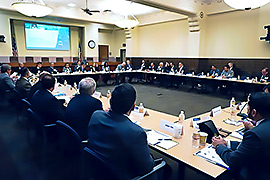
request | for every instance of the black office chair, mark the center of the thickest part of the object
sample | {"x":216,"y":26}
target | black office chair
{"x":22,"y":113}
{"x":70,"y":152}
{"x":36,"y":139}
{"x":99,"y":169}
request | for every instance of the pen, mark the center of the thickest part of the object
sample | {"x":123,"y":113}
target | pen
{"x":216,"y":163}
{"x":164,"y":139}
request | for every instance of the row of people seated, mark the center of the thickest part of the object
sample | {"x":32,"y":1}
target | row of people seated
{"x":111,"y":134}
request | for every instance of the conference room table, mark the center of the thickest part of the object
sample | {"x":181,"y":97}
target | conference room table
{"x":246,"y":85}
{"x":183,"y":152}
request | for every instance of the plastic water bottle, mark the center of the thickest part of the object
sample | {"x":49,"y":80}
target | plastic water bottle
{"x":141,"y":108}
{"x":181,"y":117}
{"x":75,"y":85}
{"x":232,"y":102}
{"x":108,"y":94}
{"x":232,"y":108}
{"x":65,"y":82}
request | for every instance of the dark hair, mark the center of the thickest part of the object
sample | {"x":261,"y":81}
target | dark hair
{"x":261,"y":102}
{"x":5,"y":67}
{"x":24,"y":71}
{"x":48,"y":81}
{"x":266,"y":68}
{"x":227,"y":66}
{"x":267,"y":87}
{"x":123,"y":98}
{"x":214,"y":66}
{"x":39,"y":63}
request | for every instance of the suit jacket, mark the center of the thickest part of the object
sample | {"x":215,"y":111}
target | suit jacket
{"x":33,"y":89}
{"x":47,"y":106}
{"x":213,"y":73}
{"x":52,"y":70}
{"x":79,"y":112}
{"x":228,"y":74}
{"x":23,"y":86}
{"x":6,"y":83}
{"x":260,"y":77}
{"x":181,"y":70}
{"x":77,"y":68}
{"x":120,"y":142}
{"x":251,"y":157}
{"x":36,"y":70}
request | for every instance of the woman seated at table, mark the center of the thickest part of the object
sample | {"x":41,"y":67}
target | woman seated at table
{"x":67,"y":69}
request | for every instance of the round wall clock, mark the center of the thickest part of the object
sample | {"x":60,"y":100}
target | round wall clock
{"x":91,"y":44}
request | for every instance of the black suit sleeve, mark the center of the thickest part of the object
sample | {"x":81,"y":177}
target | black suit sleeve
{"x":246,"y":149}
{"x":140,"y":154}
{"x":10,"y":84}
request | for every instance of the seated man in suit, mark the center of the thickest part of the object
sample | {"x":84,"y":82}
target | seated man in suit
{"x":38,"y":69}
{"x":263,"y":76}
{"x":45,"y":104}
{"x":143,"y":66}
{"x":23,"y":86}
{"x":250,"y":158}
{"x":36,"y":86}
{"x":81,"y":107}
{"x":78,"y":67}
{"x":227,"y":73}
{"x":214,"y":72}
{"x":18,"y":69}
{"x":234,"y":69}
{"x":181,"y":68}
{"x":118,"y":140}
{"x":6,"y":82}
{"x":52,"y":69}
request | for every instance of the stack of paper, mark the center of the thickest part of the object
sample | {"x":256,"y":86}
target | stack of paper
{"x":160,"y":139}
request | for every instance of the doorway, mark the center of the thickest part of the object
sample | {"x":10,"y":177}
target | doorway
{"x":103,"y":53}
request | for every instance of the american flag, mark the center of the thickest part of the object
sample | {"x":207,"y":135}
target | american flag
{"x":14,"y":47}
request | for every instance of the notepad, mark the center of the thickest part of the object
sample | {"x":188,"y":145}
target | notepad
{"x":153,"y":137}
{"x":167,"y":144}
{"x":210,"y":155}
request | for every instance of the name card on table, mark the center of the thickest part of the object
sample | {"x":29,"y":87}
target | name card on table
{"x":216,"y":111}
{"x":167,"y":125}
{"x":97,"y":95}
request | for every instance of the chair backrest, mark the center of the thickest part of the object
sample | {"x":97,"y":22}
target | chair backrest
{"x":70,"y":152}
{"x":99,"y":169}
{"x":37,"y":134}
{"x":36,"y":138}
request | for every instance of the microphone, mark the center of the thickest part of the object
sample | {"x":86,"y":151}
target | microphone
{"x":243,"y":115}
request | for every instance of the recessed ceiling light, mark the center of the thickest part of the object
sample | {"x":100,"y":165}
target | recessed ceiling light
{"x":72,"y":5}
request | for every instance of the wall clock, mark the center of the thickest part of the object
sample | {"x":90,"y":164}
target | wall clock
{"x":91,"y":44}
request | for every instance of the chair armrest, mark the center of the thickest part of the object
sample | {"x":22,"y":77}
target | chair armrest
{"x":84,"y":141}
{"x":156,"y":168}
{"x":49,"y":125}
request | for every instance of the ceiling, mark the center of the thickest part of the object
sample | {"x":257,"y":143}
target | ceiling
{"x":147,"y":11}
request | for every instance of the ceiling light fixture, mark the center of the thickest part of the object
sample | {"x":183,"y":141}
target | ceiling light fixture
{"x":32,"y":8}
{"x":246,"y":4}
{"x":71,"y":5}
{"x":128,"y":22}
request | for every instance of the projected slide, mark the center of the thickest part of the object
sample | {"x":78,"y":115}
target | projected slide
{"x":46,"y":37}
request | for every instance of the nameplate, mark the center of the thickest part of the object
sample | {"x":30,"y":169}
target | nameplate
{"x":167,"y":126}
{"x":97,"y":95}
{"x":216,"y":111}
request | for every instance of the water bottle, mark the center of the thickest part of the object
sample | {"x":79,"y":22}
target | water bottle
{"x":232,"y":102}
{"x":75,"y":85}
{"x":141,"y":108}
{"x":108,"y":94}
{"x":65,"y":82}
{"x":232,"y":108}
{"x":182,"y":117}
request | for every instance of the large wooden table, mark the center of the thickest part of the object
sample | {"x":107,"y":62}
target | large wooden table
{"x":183,"y":152}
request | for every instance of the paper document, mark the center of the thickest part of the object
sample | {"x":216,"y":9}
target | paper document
{"x":154,"y":137}
{"x":237,"y":135}
{"x":210,"y":155}
{"x":167,"y":144}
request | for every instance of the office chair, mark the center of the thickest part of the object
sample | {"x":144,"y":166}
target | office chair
{"x":36,"y":139}
{"x":99,"y":169}
{"x":70,"y":152}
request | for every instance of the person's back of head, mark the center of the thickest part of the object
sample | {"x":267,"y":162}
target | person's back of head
{"x":5,"y":68}
{"x":48,"y":82}
{"x":87,"y":86}
{"x":261,"y":103}
{"x":123,"y":98}
{"x":24,"y":72}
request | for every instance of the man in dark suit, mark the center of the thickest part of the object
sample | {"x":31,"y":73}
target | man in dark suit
{"x":6,"y":83}
{"x":52,"y":69}
{"x":23,"y":86}
{"x":38,"y":69}
{"x":36,"y":86}
{"x":18,"y":69}
{"x":119,"y":141}
{"x":250,"y":158}
{"x":81,"y":107}
{"x":264,"y":76}
{"x":181,"y":68}
{"x":45,"y":104}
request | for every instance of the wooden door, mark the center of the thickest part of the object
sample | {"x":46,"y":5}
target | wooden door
{"x":103,"y":52}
